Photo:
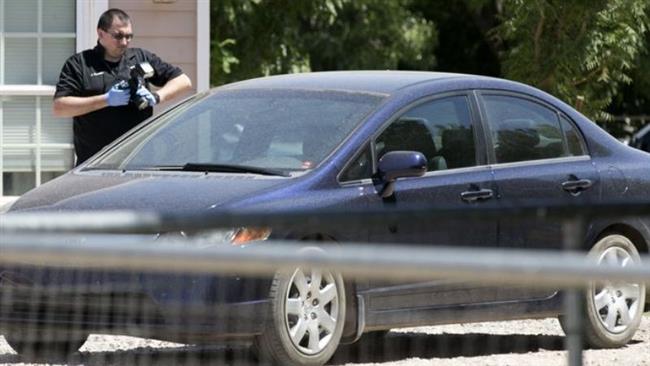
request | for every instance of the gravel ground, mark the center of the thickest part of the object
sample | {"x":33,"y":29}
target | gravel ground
{"x":516,"y":343}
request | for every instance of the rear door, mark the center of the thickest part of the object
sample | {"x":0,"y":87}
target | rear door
{"x":538,"y":157}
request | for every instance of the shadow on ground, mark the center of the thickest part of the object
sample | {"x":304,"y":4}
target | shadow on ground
{"x":399,"y":346}
{"x":372,"y":349}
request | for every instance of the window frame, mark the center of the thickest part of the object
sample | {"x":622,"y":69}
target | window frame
{"x":489,"y":143}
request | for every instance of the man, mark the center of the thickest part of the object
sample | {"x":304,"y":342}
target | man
{"x":87,"y":89}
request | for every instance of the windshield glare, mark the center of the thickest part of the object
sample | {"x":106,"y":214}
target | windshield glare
{"x":288,"y":130}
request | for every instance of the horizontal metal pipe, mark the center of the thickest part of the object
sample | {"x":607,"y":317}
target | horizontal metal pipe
{"x":96,"y":221}
{"x":395,"y":262}
{"x":138,"y":221}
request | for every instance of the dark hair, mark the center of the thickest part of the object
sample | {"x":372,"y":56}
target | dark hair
{"x":106,"y":19}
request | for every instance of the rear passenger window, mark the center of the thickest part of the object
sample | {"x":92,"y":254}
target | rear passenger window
{"x":522,"y":130}
{"x":572,"y":136}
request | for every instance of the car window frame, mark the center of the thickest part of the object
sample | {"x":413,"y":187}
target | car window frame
{"x":489,"y":143}
{"x":475,"y":120}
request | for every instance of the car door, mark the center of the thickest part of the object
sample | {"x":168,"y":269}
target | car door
{"x":538,"y":157}
{"x":443,"y":129}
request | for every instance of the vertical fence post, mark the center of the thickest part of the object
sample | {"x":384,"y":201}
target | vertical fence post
{"x":573,"y":230}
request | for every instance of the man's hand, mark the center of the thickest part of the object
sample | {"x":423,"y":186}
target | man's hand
{"x":149,"y":96}
{"x":118,"y":96}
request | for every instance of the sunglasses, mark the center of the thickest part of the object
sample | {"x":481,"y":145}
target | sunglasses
{"x":120,"y":36}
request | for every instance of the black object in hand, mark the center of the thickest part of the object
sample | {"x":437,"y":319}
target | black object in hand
{"x":139,"y":73}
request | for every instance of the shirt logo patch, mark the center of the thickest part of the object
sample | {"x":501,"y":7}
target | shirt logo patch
{"x":97,"y":73}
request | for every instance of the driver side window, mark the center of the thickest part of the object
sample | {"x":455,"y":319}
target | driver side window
{"x":440,"y":129}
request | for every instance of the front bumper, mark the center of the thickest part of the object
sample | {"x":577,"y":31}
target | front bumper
{"x":180,"y":310}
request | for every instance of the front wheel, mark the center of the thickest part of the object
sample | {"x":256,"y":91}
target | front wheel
{"x":306,"y":318}
{"x":613,"y":308}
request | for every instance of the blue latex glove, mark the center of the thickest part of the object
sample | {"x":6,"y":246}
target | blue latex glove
{"x":118,"y":95}
{"x":146,"y":94}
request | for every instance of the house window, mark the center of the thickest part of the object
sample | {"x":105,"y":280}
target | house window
{"x":36,"y":37}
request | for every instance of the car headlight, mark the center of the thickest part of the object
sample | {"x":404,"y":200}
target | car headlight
{"x":235,"y":236}
{"x":247,"y":234}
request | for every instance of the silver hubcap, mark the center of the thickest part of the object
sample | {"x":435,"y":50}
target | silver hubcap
{"x":617,"y":303}
{"x":311,"y":309}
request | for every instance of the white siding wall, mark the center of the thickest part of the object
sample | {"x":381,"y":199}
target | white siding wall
{"x":166,"y":29}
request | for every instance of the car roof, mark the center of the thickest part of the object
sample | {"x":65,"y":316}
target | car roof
{"x":382,"y":82}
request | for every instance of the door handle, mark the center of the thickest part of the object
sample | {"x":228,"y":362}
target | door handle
{"x":477,"y":195}
{"x":576,"y":186}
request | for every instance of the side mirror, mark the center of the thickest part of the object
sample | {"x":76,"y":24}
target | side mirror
{"x":399,"y":164}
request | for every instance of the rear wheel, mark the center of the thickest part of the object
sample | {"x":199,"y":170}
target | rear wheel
{"x":613,"y":308}
{"x":305,"y":322}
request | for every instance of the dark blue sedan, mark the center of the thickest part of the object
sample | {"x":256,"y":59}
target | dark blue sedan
{"x":336,"y":141}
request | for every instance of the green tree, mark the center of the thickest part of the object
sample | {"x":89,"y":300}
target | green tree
{"x":587,"y":52}
{"x":634,"y":99}
{"x":582,"y":51}
{"x":465,"y":41}
{"x":253,"y":37}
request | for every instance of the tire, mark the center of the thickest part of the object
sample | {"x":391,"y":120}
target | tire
{"x":305,"y":320}
{"x":613,"y":309}
{"x":50,"y":350}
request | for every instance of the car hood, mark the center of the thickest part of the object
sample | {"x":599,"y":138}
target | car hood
{"x":161,"y":192}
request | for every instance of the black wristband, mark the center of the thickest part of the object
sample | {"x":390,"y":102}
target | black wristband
{"x":156,"y":96}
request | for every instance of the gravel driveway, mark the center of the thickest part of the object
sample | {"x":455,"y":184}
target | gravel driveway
{"x":516,"y":343}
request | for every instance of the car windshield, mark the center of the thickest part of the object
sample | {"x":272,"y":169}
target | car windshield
{"x":254,"y":131}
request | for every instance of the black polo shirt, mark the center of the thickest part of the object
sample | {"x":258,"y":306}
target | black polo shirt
{"x":87,"y":74}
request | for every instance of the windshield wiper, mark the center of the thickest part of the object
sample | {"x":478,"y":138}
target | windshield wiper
{"x":222,"y":168}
